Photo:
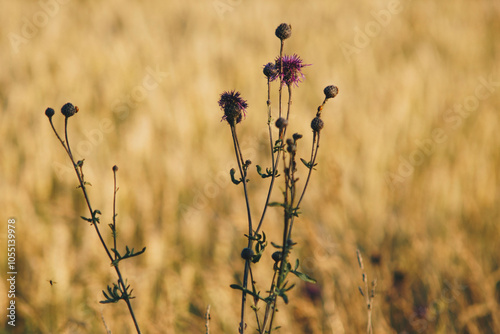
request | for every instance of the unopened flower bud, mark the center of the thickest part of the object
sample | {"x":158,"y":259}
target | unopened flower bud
{"x":69,"y":110}
{"x":330,"y":91}
{"x":283,"y":31}
{"x":281,"y":123}
{"x":270,"y":71}
{"x":277,"y":256}
{"x":317,"y":124}
{"x":115,"y":168}
{"x":49,"y":112}
{"x":247,"y":253}
{"x":296,"y":136}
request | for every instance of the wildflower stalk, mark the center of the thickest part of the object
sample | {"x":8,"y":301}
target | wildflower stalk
{"x":243,"y":173}
{"x":288,"y":70}
{"x":113,"y":225}
{"x":78,"y":167}
{"x":281,"y":71}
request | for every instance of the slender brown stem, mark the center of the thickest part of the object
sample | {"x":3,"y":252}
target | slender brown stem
{"x":114,"y":209}
{"x":207,"y":320}
{"x":275,"y":162}
{"x":314,"y":154}
{"x":281,"y":77}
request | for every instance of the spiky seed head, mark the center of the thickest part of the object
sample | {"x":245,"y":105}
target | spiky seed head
{"x":283,"y":31}
{"x":247,"y":253}
{"x":234,"y":107}
{"x":69,"y":110}
{"x":49,"y":112}
{"x":281,"y":123}
{"x":317,"y":124}
{"x":331,"y":91}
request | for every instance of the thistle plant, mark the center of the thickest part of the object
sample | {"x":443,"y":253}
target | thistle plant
{"x":287,"y":70}
{"x":119,"y":290}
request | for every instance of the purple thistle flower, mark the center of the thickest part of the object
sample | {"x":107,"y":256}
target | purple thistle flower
{"x":292,"y":69}
{"x":234,"y":107}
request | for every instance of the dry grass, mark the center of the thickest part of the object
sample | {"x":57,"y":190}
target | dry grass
{"x":435,"y":231}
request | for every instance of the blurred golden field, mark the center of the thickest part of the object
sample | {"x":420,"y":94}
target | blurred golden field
{"x":408,"y":166}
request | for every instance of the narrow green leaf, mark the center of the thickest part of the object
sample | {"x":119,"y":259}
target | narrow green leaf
{"x":303,"y":276}
{"x":236,"y":287}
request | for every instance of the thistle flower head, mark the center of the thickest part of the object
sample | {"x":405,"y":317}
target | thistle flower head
{"x":317,"y":124}
{"x":234,"y":107}
{"x":69,"y":110}
{"x":247,"y":253}
{"x":270,"y":71}
{"x":290,"y":69}
{"x":49,"y":112}
{"x":283,"y":31}
{"x":277,"y":256}
{"x":281,"y":123}
{"x":330,"y":91}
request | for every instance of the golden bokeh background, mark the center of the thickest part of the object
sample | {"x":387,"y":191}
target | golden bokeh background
{"x":408,"y":165}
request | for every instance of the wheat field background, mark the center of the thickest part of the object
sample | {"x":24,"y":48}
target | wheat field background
{"x":408,"y":166}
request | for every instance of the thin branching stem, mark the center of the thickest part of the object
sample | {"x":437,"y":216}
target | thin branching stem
{"x":255,"y":309}
{"x":289,"y":101}
{"x":207,"y":320}
{"x":275,"y":162}
{"x":288,"y":205}
{"x":281,"y":76}
{"x":243,"y":173}
{"x":115,"y":190}
{"x":81,"y":181}
{"x":314,"y":154}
